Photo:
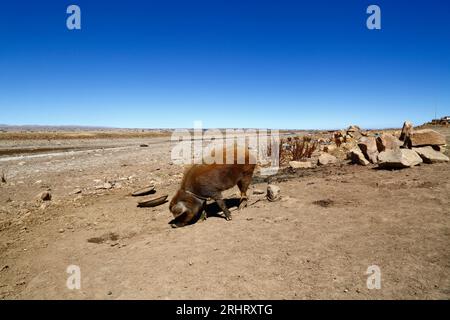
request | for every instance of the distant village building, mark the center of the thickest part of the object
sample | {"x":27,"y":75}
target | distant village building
{"x":442,"y":121}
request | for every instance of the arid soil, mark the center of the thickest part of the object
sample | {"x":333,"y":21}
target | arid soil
{"x":317,"y":242}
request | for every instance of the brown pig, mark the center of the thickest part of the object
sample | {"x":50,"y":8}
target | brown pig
{"x":207,"y":181}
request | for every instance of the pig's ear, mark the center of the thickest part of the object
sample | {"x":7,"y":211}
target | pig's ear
{"x":179,"y":209}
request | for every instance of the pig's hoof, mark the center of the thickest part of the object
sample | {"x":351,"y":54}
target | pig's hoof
{"x":228,"y":218}
{"x":243,"y":204}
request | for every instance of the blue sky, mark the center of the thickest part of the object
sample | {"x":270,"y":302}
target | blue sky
{"x":268,"y":64}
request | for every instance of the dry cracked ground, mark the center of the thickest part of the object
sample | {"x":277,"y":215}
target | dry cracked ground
{"x":331,"y":224}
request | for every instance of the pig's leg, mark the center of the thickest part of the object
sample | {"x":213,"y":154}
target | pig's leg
{"x":203,"y":215}
{"x":218,"y":198}
{"x":243,"y":187}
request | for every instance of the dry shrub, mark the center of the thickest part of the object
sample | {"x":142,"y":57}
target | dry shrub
{"x":303,"y":148}
{"x":294,"y":149}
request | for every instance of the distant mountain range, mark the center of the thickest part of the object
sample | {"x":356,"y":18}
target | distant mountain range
{"x":7,"y":127}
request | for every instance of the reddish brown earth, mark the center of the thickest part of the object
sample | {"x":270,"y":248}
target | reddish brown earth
{"x":332,"y":223}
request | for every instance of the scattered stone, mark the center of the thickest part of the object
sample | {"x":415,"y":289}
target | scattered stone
{"x":258,"y":191}
{"x":424,"y":137}
{"x":356,"y":156}
{"x":153,"y":202}
{"x":143,"y":145}
{"x":429,"y":155}
{"x":144,"y":191}
{"x":273,"y":192}
{"x":76,"y":191}
{"x":45,"y":196}
{"x":324,"y":203}
{"x":326,"y":158}
{"x":61,"y":230}
{"x":106,"y":186}
{"x":397,"y":159}
{"x":406,"y":130}
{"x":103,"y":238}
{"x":300,"y":164}
{"x":368,"y":146}
{"x":388,"y":141}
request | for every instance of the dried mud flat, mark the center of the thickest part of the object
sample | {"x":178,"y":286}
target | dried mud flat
{"x":317,"y":242}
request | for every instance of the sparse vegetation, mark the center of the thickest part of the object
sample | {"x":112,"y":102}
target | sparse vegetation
{"x":303,"y":148}
{"x":3,"y":177}
{"x":295,"y":148}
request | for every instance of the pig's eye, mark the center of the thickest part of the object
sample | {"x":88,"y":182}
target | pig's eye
{"x":179,"y":209}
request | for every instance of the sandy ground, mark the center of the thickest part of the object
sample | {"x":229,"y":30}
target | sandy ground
{"x":332,"y":223}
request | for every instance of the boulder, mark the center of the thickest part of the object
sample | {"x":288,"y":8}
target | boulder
{"x":356,"y":156}
{"x":388,"y":141}
{"x":406,"y":130}
{"x":424,"y":137}
{"x":300,"y":164}
{"x":326,"y":158}
{"x":429,"y":155}
{"x":368,"y":146}
{"x":273,"y":192}
{"x":397,"y":159}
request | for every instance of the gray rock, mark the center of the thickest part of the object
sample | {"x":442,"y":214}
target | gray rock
{"x":356,"y":156}
{"x":397,"y":159}
{"x":326,"y":158}
{"x":273,"y":192}
{"x":429,"y":155}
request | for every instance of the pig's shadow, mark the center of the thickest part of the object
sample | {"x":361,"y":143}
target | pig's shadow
{"x":213,"y":209}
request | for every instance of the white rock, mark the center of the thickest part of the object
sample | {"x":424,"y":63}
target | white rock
{"x":326,"y":158}
{"x":300,"y":164}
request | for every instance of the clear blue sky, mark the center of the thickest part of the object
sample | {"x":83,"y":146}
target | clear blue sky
{"x":229,"y":63}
